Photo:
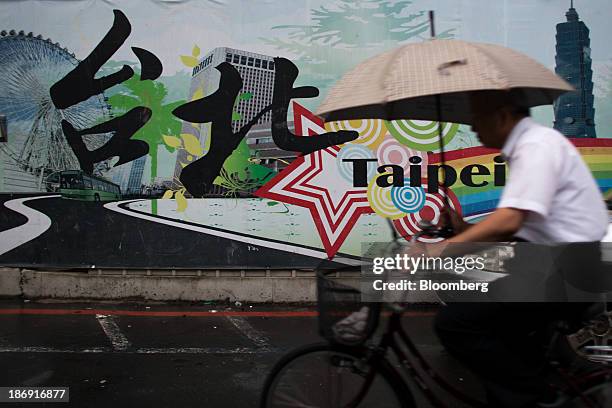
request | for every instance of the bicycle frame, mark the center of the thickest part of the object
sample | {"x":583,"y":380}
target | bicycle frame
{"x":414,"y":365}
{"x":395,"y":337}
{"x":390,"y":341}
{"x":394,"y":327}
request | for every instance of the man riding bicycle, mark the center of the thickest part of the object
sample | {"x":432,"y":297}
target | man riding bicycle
{"x":550,"y":197}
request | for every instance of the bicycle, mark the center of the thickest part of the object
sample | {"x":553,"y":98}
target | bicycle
{"x":354,"y":373}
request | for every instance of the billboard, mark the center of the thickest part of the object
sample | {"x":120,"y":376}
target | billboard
{"x":182,"y":135}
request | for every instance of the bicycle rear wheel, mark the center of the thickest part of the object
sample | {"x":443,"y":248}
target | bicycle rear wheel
{"x":328,"y":376}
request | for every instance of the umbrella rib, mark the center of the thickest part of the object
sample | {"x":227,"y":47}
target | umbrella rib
{"x":386,"y":70}
{"x":503,"y":78}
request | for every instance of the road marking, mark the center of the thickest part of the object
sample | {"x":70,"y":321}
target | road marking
{"x":177,"y":350}
{"x":281,"y":246}
{"x":203,"y":350}
{"x":53,"y":350}
{"x":221,"y":313}
{"x":249,"y":331}
{"x":224,"y":313}
{"x":113,"y":332}
{"x":36,"y":224}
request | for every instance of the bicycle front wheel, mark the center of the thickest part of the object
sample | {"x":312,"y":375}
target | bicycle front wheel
{"x":327,"y":376}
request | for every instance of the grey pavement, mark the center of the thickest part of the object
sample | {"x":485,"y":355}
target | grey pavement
{"x":168,"y":355}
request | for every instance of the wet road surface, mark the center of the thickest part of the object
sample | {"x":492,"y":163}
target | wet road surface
{"x":163,"y":355}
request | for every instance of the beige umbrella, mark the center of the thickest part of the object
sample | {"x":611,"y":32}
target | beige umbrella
{"x":404,"y":83}
{"x":432,"y":80}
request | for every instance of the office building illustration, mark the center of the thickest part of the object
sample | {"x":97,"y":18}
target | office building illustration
{"x":257,"y":72}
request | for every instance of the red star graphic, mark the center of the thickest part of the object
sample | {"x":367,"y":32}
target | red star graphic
{"x":312,"y":181}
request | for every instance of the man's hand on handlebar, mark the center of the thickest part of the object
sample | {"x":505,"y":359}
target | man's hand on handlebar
{"x":457,"y":223}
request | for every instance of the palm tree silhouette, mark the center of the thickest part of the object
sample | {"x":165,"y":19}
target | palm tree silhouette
{"x":150,"y":94}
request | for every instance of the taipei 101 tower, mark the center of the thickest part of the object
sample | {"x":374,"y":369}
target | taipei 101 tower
{"x":574,"y":112}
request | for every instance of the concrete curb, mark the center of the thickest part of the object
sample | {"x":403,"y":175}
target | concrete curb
{"x":80,"y":285}
{"x":10,"y":279}
{"x":249,"y":286}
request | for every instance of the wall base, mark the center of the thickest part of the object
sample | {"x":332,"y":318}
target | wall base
{"x":250,"y":286}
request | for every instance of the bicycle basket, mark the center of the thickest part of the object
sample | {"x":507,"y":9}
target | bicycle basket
{"x":343,"y":317}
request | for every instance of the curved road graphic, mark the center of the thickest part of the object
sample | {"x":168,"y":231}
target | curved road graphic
{"x":286,"y":247}
{"x":37,"y":224}
{"x":85,"y":234}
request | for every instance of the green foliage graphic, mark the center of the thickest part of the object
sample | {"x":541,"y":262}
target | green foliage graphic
{"x":346,"y":33}
{"x":239,"y":174}
{"x":152,"y":95}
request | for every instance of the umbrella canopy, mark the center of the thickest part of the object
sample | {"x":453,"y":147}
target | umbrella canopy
{"x":403,"y":83}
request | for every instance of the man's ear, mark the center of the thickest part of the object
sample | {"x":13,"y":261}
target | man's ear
{"x":506,"y":119}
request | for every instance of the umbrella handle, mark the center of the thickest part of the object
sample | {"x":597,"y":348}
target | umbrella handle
{"x":432,"y":27}
{"x":448,"y":230}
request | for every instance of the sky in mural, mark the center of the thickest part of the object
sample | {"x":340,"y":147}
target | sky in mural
{"x":306,"y":31}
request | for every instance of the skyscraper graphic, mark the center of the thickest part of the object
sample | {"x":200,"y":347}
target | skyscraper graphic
{"x":129,"y":175}
{"x":134,"y":184}
{"x":257,"y":72}
{"x":574,"y":112}
{"x":120,"y":175}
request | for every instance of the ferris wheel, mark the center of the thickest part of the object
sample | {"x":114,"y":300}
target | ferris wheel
{"x":29,"y":66}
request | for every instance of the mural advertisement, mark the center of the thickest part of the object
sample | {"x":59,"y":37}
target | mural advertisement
{"x":182,"y":134}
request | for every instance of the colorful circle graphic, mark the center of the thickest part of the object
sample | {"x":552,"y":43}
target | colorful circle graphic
{"x":408,"y":199}
{"x":391,"y":151}
{"x":421,"y":135}
{"x":431,"y":211}
{"x":380,"y":200}
{"x":352,"y":151}
{"x":371,"y":131}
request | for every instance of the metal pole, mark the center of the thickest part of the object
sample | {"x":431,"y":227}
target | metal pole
{"x":432,"y":27}
{"x":448,"y":229}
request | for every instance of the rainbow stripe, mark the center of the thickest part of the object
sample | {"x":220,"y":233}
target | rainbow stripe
{"x":597,"y":153}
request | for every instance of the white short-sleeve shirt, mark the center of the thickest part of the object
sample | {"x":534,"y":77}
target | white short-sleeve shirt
{"x":548,"y":178}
